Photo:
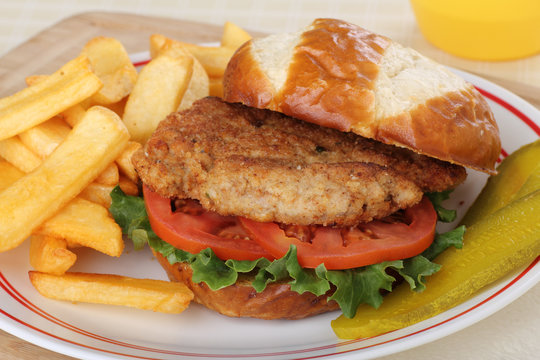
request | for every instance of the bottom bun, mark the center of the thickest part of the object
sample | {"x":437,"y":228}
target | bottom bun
{"x":277,"y":301}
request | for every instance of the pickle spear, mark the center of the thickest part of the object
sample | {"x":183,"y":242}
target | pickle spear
{"x":492,"y":247}
{"x":532,"y":183}
{"x":500,"y":189}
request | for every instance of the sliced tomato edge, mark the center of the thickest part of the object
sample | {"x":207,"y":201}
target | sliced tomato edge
{"x":162,"y":221}
{"x":167,"y":229}
{"x":375,"y":251}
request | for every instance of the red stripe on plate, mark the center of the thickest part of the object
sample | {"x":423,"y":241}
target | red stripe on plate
{"x":512,"y":109}
{"x":2,"y":285}
{"x":10,"y":289}
{"x":141,"y":63}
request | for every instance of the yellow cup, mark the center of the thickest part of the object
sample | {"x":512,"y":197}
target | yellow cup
{"x":481,"y":29}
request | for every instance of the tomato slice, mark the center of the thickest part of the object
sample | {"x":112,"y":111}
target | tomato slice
{"x":194,"y":229}
{"x":346,"y":248}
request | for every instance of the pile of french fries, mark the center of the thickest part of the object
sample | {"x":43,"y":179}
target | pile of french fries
{"x":66,"y":141}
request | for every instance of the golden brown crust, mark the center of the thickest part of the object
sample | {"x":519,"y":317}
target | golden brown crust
{"x":245,"y":70}
{"x":332,"y":74}
{"x":241,"y":300}
{"x":330,"y":82}
{"x":261,"y":164}
{"x":458,"y":127}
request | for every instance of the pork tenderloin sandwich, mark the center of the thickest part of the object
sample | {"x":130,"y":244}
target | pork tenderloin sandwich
{"x":304,"y":189}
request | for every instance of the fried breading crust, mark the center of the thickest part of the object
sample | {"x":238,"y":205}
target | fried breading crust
{"x":269,"y":167}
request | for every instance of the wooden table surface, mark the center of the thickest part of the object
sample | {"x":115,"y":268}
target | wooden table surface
{"x":47,"y":50}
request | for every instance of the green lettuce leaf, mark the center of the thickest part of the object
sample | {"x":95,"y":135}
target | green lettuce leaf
{"x":304,"y":279}
{"x":269,"y":272}
{"x":208,"y":268}
{"x":444,"y":241}
{"x":415,"y":270}
{"x":361,"y":285}
{"x":351,"y":287}
{"x":436,"y":198}
{"x":129,"y":212}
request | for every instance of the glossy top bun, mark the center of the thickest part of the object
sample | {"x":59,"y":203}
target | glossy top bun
{"x":342,"y":76}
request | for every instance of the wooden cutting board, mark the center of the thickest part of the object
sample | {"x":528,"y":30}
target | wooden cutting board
{"x":47,"y":51}
{"x":53,"y":47}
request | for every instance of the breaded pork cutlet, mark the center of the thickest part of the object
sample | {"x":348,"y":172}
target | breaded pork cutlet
{"x":267,"y":166}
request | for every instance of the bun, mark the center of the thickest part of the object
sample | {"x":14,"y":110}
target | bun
{"x":342,"y":76}
{"x":241,"y":300}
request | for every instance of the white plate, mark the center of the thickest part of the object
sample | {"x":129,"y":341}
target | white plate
{"x":105,"y":332}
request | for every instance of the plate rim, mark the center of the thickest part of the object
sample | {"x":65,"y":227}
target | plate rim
{"x":511,"y":102}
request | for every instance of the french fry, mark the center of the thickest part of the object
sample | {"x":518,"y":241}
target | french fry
{"x":158,"y":92}
{"x":155,"y":295}
{"x":124,"y":161}
{"x":157,"y":41}
{"x":111,"y":63}
{"x":42,"y":139}
{"x":118,"y":107}
{"x":233,"y":36}
{"x":128,"y":186}
{"x":74,"y":114}
{"x":198,"y":86}
{"x":72,"y":245}
{"x":214,"y":59}
{"x":39,"y":259}
{"x":50,"y":254}
{"x":94,"y":143}
{"x":98,"y":193}
{"x":88,"y":224}
{"x":109,"y":176}
{"x":33,"y":105}
{"x":216,"y":87}
{"x":101,"y":194}
{"x":34,"y":79}
{"x":15,"y":152}
{"x":78,"y":223}
{"x":9,"y":174}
